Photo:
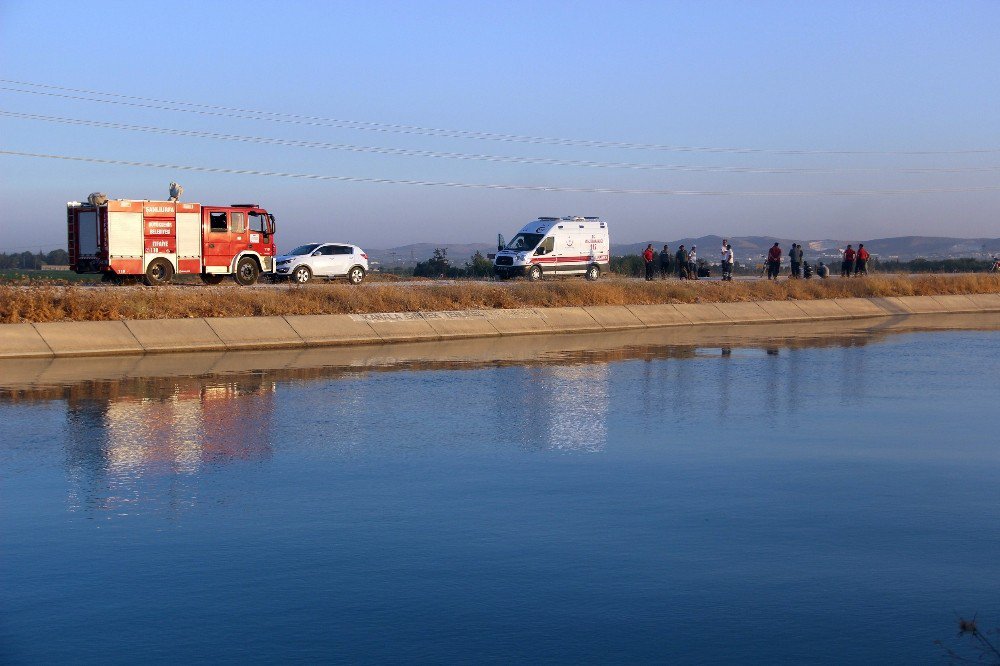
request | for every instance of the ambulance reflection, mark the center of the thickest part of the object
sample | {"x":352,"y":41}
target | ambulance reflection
{"x":124,"y":442}
{"x":565,"y":408}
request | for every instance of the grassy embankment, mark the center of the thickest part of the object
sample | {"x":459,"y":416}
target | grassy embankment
{"x":75,"y":303}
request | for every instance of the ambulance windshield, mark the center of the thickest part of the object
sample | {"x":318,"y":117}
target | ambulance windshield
{"x":524,"y":242}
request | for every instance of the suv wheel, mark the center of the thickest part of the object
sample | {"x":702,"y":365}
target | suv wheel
{"x":301,"y":274}
{"x":356,"y":275}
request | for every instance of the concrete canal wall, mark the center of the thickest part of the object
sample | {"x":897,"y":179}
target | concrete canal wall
{"x":61,"y":339}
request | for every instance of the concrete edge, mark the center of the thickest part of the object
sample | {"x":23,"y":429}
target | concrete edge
{"x":53,"y":339}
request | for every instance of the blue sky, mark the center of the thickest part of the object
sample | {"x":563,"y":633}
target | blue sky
{"x":857,"y":88}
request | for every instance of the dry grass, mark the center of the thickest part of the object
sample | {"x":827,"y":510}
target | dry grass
{"x":88,"y":303}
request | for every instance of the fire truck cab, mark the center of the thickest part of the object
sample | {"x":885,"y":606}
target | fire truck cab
{"x":127,"y":239}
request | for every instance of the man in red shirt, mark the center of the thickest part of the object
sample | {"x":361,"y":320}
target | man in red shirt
{"x":861,"y":261}
{"x":847,"y":265}
{"x":773,"y":262}
{"x":648,"y":255}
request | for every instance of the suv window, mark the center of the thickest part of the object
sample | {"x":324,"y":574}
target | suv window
{"x":343,"y":249}
{"x":328,"y":249}
{"x":218,"y":222}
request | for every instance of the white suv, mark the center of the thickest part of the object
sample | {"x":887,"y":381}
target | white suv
{"x":329,"y":260}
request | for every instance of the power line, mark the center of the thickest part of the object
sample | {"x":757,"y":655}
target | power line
{"x":484,"y":157}
{"x":319,"y":121}
{"x":499,"y":186}
{"x":406,"y":152}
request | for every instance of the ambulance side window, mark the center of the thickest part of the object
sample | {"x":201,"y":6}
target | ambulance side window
{"x":218,"y":222}
{"x":239,"y":223}
{"x":547,"y":245}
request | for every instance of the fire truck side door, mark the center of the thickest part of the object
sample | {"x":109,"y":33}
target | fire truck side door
{"x":260,"y":236}
{"x":218,"y":238}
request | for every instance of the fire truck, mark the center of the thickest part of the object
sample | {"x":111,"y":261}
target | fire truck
{"x":127,"y":240}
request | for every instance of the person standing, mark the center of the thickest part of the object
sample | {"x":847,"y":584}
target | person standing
{"x":647,"y":255}
{"x":795,"y":256}
{"x":847,"y":265}
{"x":682,"y":263}
{"x":773,"y":262}
{"x":693,"y":263}
{"x":665,"y":262}
{"x":861,"y":261}
{"x":728,"y":259}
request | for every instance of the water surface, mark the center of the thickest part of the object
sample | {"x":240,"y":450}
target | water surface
{"x":821,"y":500}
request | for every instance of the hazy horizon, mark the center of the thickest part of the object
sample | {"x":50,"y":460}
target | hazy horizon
{"x":816,"y":121}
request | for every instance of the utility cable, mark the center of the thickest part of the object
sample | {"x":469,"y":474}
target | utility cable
{"x":299,"y":143}
{"x":498,"y":186}
{"x":319,"y":121}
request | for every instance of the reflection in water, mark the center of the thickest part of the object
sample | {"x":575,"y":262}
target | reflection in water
{"x":118,"y":446}
{"x":141,"y":435}
{"x":577,"y":407}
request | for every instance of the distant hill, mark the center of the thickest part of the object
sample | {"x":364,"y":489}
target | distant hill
{"x":746,"y":247}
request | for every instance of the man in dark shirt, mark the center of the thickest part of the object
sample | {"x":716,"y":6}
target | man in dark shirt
{"x":665,"y":262}
{"x":682,"y":263}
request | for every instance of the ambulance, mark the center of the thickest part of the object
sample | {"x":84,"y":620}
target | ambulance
{"x":126,"y":240}
{"x":556,"y":246}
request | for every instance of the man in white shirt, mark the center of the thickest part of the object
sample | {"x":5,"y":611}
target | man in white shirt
{"x":728,"y":258}
{"x":693,"y":262}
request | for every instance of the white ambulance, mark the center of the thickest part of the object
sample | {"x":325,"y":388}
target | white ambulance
{"x":556,"y":246}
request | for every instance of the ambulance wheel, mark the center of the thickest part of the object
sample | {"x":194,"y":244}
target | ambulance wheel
{"x":212,"y":278}
{"x":301,"y":274}
{"x":356,"y":275}
{"x":593,"y":272}
{"x":534,"y":273}
{"x":246,"y":272}
{"x":159,"y":272}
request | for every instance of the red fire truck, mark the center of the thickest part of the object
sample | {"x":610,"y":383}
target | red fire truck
{"x":127,"y":239}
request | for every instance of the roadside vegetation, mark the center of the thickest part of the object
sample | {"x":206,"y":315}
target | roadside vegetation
{"x":41,"y":302}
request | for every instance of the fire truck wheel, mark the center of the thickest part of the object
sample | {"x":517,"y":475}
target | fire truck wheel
{"x":593,"y":272}
{"x":246,"y":272}
{"x":302,"y":274}
{"x":211,"y":278}
{"x":535,"y":273}
{"x":356,"y":275}
{"x":159,"y":272}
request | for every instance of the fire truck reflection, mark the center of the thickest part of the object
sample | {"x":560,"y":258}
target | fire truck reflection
{"x":163,"y":429}
{"x":565,"y":407}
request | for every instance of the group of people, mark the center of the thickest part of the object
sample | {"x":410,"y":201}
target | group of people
{"x":800,"y":268}
{"x":684,"y":263}
{"x":856,"y":262}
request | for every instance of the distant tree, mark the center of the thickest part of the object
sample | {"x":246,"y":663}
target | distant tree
{"x":631,"y":265}
{"x":57,"y":258}
{"x":478,"y":266}
{"x":27,"y":260}
{"x":436,"y":266}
